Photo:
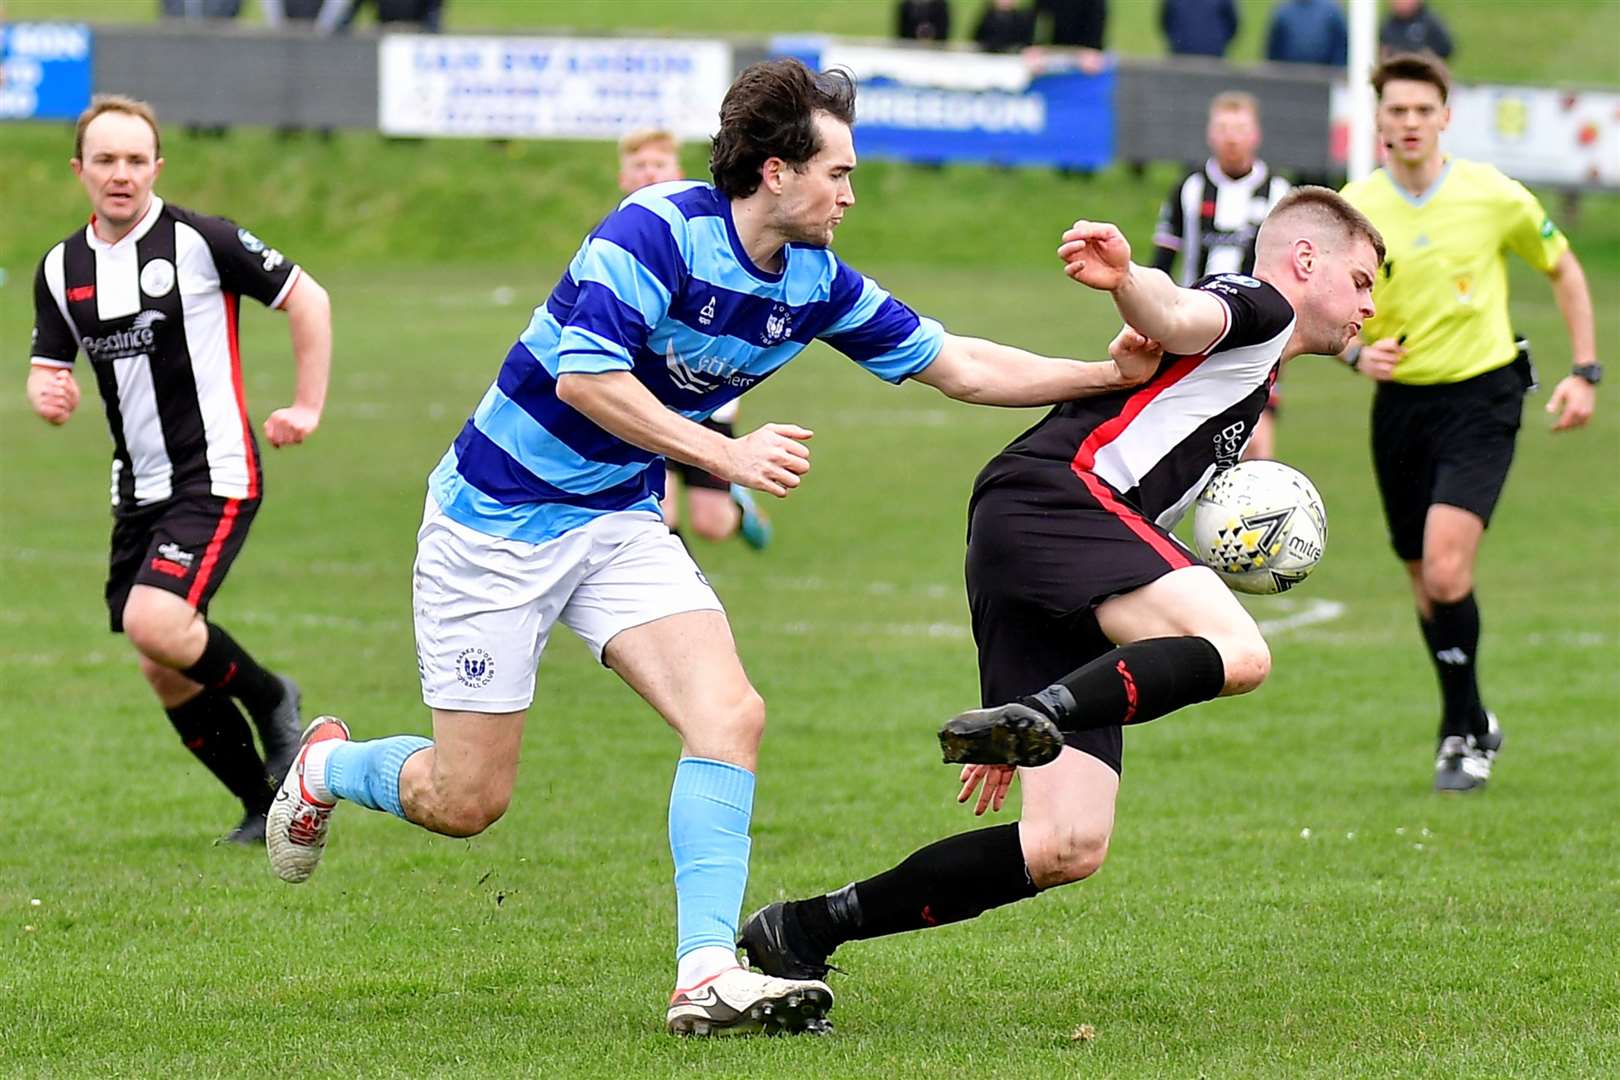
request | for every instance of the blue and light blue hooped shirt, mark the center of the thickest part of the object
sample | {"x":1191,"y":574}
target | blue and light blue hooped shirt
{"x":663,"y":289}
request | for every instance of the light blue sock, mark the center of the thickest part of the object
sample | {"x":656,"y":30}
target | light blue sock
{"x":368,"y":772}
{"x":709,"y":810}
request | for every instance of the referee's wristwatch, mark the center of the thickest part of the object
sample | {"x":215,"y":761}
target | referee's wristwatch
{"x":1592,"y":373}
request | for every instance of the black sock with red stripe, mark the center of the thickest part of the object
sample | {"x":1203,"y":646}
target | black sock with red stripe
{"x":948,"y":881}
{"x":226,"y":666}
{"x":216,"y":732}
{"x":1134,"y":683}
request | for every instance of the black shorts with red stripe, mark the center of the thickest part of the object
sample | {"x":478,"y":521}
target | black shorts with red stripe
{"x":1046,"y":546}
{"x":184,"y":545}
{"x":694,"y":476}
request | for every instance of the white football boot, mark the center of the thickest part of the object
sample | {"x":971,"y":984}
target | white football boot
{"x":1457,"y":767}
{"x":742,"y":1002}
{"x":295,"y":834}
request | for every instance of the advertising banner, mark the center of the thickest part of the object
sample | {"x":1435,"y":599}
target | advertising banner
{"x":44,"y":70}
{"x":936,"y":105}
{"x":560,"y":88}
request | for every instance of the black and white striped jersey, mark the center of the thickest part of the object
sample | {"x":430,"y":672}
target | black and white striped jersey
{"x":1211,"y":220}
{"x":156,"y":315}
{"x":1159,"y":443}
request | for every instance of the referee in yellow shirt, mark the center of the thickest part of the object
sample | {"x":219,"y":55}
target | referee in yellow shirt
{"x":1451,"y":380}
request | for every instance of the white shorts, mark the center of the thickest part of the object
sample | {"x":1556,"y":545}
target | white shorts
{"x":484,"y":605}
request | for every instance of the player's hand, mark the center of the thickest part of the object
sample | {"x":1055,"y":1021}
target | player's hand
{"x":292,"y":425}
{"x":57,"y":398}
{"x":1378,"y":360}
{"x":1135,"y":355}
{"x":770,"y":459}
{"x":996,"y":780}
{"x":1097,"y":254}
{"x":1572,"y":402}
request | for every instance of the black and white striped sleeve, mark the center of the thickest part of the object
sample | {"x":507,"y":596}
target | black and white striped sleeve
{"x":54,"y":344}
{"x":247,"y":265}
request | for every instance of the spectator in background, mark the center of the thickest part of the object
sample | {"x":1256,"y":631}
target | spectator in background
{"x":1198,"y":27}
{"x":1004,"y":26}
{"x":1212,"y":216}
{"x":1308,"y":32}
{"x":1080,"y":24}
{"x":1410,"y":27}
{"x":925,"y":20}
{"x":200,"y":9}
{"x":322,"y":16}
{"x":426,"y":14}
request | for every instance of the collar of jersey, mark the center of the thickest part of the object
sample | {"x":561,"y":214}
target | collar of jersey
{"x":1258,"y":170}
{"x":741,"y":252}
{"x":142,"y":227}
{"x":1432,"y":190}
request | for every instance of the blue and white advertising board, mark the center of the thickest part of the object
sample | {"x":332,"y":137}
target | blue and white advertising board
{"x":44,"y":70}
{"x":560,"y":88}
{"x":942,"y":105}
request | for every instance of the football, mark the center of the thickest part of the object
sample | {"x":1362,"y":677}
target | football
{"x":1261,"y":526}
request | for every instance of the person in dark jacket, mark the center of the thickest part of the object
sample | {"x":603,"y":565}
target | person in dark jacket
{"x":1410,"y":27}
{"x":1078,"y":24}
{"x":924,"y":20}
{"x":1198,"y":27}
{"x":1004,"y":26}
{"x":1308,"y":32}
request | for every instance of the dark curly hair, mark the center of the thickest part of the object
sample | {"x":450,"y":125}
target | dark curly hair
{"x":770,"y":112}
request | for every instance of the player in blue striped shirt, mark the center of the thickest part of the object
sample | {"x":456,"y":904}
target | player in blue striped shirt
{"x":545,"y":509}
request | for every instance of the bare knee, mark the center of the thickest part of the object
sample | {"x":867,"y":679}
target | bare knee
{"x":162,"y":628}
{"x":1447,"y":578}
{"x":712,"y":519}
{"x":744,"y":721}
{"x":1246,"y":659}
{"x":1062,"y":855}
{"x":468,"y":813}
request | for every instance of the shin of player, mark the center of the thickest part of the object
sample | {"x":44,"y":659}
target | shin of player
{"x":1088,"y":615}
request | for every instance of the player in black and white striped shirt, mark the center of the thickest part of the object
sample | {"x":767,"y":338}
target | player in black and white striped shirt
{"x":148,"y":292}
{"x":1212,"y":215}
{"x":1088,"y":614}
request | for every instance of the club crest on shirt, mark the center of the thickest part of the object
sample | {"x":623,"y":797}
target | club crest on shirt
{"x":157,"y":277}
{"x":706,"y":313}
{"x":778,"y":325}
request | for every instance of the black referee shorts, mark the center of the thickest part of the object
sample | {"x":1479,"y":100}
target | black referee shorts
{"x":1451,"y":443}
{"x":1044,"y":550}
{"x":693,"y":476}
{"x":184,"y":545}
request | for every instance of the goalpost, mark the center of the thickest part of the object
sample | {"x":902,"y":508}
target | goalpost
{"x":1363,"y":54}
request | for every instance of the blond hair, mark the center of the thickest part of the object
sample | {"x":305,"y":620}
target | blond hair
{"x":106,"y":103}
{"x":633,"y":141}
{"x":1234,"y":101}
{"x":1322,"y":206}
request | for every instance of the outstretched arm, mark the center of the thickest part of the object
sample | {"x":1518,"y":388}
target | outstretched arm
{"x":986,"y":373}
{"x":1573,"y":399}
{"x":1183,"y":321}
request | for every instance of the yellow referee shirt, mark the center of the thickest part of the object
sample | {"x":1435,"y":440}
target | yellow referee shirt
{"x":1444,"y":281}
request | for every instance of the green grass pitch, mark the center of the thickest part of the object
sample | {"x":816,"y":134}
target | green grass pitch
{"x":1402,"y":935}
